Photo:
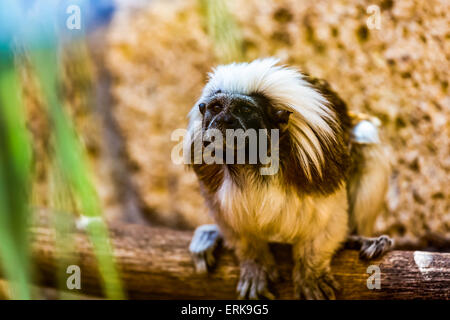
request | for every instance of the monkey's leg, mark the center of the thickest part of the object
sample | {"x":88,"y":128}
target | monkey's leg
{"x":257,"y":269}
{"x":205,"y":240}
{"x":370,"y":248}
{"x":312,"y":276}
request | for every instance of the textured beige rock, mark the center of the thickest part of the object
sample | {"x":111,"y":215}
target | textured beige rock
{"x":77,"y":99}
{"x":159,"y":59}
{"x":160,"y":56}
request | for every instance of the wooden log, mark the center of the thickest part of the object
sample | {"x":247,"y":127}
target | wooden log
{"x":155,"y":263}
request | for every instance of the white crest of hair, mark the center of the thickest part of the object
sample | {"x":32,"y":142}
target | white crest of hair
{"x":287,"y":88}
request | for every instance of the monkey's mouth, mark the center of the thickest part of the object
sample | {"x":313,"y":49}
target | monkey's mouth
{"x":234,"y":146}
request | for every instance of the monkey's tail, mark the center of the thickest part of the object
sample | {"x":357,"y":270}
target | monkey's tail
{"x":368,"y":178}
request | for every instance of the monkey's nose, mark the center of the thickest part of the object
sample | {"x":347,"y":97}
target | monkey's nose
{"x":228,"y":119}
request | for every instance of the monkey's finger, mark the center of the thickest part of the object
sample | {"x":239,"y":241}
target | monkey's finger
{"x":391,"y":243}
{"x":303,"y":295}
{"x":253,"y":295}
{"x":210,"y":260}
{"x":382,"y":245}
{"x":267,"y":294}
{"x":379,"y":249}
{"x":366,"y":243}
{"x":200,"y":263}
{"x":327,"y":290}
{"x":263,"y":290}
{"x":368,"y":253}
{"x":331,"y":281}
{"x":262,"y":285}
{"x":311,"y":290}
{"x":318,"y":295}
{"x":243,"y":288}
{"x":299,"y":293}
{"x":307,"y":293}
{"x":385,"y":242}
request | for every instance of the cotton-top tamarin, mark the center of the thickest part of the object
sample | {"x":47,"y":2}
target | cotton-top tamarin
{"x":328,"y":187}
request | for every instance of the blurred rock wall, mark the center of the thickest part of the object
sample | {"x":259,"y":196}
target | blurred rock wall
{"x":77,"y":73}
{"x":159,"y":57}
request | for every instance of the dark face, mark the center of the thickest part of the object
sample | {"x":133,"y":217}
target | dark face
{"x":242,"y":114}
{"x":235,"y":111}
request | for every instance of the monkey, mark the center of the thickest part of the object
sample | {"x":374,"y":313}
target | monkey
{"x":327,"y":189}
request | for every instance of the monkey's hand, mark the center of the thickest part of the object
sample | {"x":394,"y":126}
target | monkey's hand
{"x":312,"y":273}
{"x":254,"y":280}
{"x":258,"y":268}
{"x":370,"y":248}
{"x":205,"y":240}
{"x":312,"y":284}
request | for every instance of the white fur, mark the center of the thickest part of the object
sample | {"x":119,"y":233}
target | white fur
{"x":365,"y":132}
{"x":287,"y":88}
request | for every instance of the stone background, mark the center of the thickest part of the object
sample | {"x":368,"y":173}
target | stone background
{"x":159,"y":54}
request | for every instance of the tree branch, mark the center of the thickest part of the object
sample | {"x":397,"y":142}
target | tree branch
{"x":155,"y":263}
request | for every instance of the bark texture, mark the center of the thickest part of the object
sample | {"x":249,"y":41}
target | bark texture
{"x":155,"y":263}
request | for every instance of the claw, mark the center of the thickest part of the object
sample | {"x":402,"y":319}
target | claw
{"x":327,"y":290}
{"x":322,"y":288}
{"x":243,"y":288}
{"x":375,"y":247}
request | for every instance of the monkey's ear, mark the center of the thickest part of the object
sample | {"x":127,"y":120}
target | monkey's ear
{"x":202,"y":108}
{"x":282,"y":116}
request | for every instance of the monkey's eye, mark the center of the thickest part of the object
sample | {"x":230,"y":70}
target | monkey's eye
{"x":202,"y":107}
{"x":245,"y":109}
{"x":216,"y":108}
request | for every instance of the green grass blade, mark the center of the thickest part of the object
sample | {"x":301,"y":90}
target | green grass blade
{"x":70,"y":157}
{"x":14,"y":181}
